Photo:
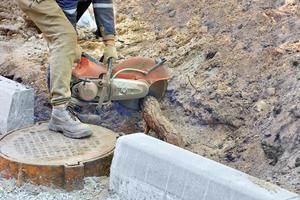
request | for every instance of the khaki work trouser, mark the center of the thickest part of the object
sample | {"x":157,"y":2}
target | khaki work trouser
{"x":62,"y":42}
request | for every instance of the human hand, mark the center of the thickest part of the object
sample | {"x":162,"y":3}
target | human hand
{"x":110,"y":51}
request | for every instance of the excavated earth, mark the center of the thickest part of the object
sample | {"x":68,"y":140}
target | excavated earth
{"x":235,"y":67}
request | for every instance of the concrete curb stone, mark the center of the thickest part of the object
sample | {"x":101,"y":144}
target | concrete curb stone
{"x":145,"y":168}
{"x":16,"y":106}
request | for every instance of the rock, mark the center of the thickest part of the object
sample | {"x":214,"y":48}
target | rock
{"x":291,"y":2}
{"x":203,"y":29}
{"x":210,"y":55}
{"x":261,"y":106}
{"x":267,"y":134}
{"x":172,"y":13}
{"x":273,"y":150}
{"x":210,"y":24}
{"x":295,"y":111}
{"x":297,"y":162}
{"x":271,"y":91}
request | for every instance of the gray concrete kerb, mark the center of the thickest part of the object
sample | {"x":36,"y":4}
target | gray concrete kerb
{"x":145,"y":168}
{"x":16,"y":105}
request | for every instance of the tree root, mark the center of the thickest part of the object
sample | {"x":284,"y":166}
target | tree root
{"x":155,"y":121}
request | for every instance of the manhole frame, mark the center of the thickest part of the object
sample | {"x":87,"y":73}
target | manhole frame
{"x":65,"y":176}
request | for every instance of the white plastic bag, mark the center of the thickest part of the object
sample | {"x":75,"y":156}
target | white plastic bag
{"x":87,"y":21}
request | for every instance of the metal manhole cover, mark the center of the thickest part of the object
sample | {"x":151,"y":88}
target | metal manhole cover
{"x":41,"y":156}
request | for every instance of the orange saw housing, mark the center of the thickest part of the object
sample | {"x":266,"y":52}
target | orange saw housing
{"x":89,"y":69}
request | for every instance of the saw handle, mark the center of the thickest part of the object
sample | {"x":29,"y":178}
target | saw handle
{"x":110,"y":67}
{"x":159,"y":62}
{"x":106,"y":85}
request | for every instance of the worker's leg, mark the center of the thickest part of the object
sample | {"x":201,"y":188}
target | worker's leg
{"x":74,"y":10}
{"x":105,"y":19}
{"x":64,"y":52}
{"x":62,"y":40}
{"x":70,"y":10}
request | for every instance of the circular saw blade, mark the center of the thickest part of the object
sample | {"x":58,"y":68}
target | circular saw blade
{"x":157,"y":89}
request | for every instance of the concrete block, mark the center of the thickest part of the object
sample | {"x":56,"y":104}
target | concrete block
{"x":16,"y":105}
{"x":145,"y":168}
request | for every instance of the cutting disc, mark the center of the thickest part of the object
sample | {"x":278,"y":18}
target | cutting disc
{"x":157,"y":89}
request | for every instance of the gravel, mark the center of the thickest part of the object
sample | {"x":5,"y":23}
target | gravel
{"x":95,"y":188}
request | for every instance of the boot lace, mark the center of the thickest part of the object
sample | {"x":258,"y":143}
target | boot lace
{"x":72,"y":113}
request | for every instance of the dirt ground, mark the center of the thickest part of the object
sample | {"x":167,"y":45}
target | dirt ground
{"x":235,"y":68}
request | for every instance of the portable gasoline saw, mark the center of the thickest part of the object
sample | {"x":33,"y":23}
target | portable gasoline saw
{"x":94,"y":83}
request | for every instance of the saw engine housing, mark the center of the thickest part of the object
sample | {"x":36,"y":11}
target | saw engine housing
{"x":119,"y":89}
{"x":127,"y":82}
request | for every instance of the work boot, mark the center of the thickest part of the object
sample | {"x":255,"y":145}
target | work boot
{"x":64,"y":120}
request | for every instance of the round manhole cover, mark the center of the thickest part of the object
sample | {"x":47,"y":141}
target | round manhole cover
{"x":38,"y":151}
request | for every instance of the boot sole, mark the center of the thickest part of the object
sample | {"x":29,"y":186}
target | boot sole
{"x":59,"y":129}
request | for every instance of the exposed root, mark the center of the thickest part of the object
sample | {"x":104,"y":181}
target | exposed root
{"x":156,"y":121}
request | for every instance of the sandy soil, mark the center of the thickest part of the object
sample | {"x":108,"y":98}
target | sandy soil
{"x":234,"y":91}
